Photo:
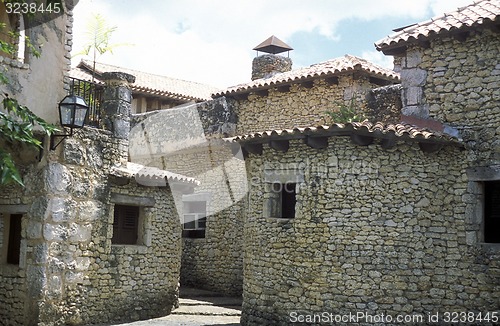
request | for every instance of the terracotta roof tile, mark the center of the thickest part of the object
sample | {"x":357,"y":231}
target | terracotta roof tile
{"x":475,"y":14}
{"x":377,"y":130}
{"x":149,"y":83}
{"x":142,"y":172}
{"x":328,"y":68}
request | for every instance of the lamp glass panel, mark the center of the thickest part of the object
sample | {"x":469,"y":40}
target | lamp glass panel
{"x":66,"y":115}
{"x":80,"y":101}
{"x":80,"y":114}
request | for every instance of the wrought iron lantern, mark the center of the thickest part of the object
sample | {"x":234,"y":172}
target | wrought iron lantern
{"x":72,"y":114}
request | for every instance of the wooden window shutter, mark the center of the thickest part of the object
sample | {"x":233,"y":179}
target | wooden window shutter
{"x":125,"y":224}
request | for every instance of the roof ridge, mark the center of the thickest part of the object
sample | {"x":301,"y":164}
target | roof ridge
{"x":332,"y":67}
{"x":150,"y":82}
{"x":148,"y":73}
{"x":473,"y":14}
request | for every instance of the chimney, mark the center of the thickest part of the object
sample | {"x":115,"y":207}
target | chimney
{"x":268,"y":65}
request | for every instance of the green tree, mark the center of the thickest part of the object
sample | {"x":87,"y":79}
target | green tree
{"x":17,"y":122}
{"x":97,"y":39}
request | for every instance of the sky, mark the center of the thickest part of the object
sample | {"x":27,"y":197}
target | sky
{"x":211,"y":41}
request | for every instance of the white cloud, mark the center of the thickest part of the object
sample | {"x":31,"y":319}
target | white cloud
{"x":211,"y":41}
{"x":439,"y":7}
{"x":378,"y":58}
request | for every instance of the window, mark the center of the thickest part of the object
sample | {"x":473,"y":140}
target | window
{"x":126,"y":225}
{"x":492,"y":212}
{"x":194,"y":219}
{"x":285,"y":198}
{"x":281,"y":188}
{"x":14,"y":240}
{"x":12,"y":32}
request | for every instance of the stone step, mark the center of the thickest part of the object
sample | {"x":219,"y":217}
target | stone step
{"x":211,"y":301}
{"x":206,"y":310}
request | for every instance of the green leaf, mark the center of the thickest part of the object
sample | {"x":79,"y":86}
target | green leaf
{"x":17,"y":124}
{"x":9,"y":173}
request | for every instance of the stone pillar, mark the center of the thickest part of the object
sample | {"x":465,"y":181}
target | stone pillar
{"x":117,"y":103}
{"x":116,"y":109}
{"x":413,"y":79}
{"x":268,"y":65}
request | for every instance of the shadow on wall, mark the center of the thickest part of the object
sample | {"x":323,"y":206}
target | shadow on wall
{"x":172,"y":139}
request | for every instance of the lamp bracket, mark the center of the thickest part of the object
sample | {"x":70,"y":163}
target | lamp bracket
{"x":53,"y":145}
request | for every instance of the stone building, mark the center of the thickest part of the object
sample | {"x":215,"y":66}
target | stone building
{"x":301,"y":97}
{"x":28,"y":83}
{"x":399,"y":217}
{"x":149,"y":91}
{"x":258,"y":191}
{"x":187,"y":140}
{"x":91,"y":238}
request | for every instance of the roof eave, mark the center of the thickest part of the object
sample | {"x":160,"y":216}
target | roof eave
{"x":401,"y":46}
{"x":339,"y":130}
{"x":303,"y":80}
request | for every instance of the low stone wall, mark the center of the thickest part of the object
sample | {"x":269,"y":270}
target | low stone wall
{"x":214,"y":262}
{"x":376,"y":231}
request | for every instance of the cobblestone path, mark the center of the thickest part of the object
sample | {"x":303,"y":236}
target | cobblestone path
{"x":199,"y":307}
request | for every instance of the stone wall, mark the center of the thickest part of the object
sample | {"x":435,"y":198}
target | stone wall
{"x":185,"y":140}
{"x":214,"y":262}
{"x":13,"y":294}
{"x":301,"y":106}
{"x":70,"y":214}
{"x":384,"y":104}
{"x":39,"y":83}
{"x":458,"y":85}
{"x":74,"y":273}
{"x":455,"y":81}
{"x":13,"y":288}
{"x":132,"y":282}
{"x":376,"y":231}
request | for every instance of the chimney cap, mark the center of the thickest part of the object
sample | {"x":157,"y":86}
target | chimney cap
{"x":273,"y":45}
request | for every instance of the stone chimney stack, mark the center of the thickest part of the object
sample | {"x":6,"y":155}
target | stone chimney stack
{"x":268,"y":65}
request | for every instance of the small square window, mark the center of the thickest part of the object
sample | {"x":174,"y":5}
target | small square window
{"x":492,"y":212}
{"x":285,"y":198}
{"x":194,"y":219}
{"x":126,"y":225}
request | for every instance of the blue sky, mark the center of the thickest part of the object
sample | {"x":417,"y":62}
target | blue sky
{"x":211,"y":41}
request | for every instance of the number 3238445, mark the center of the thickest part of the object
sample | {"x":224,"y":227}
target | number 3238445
{"x":470,"y":317}
{"x":23,"y":8}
